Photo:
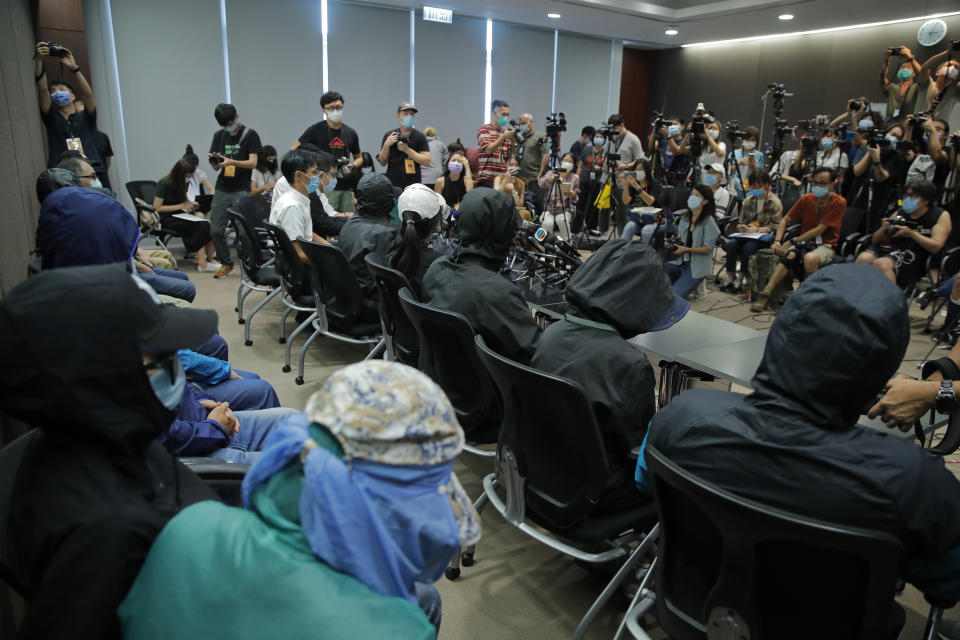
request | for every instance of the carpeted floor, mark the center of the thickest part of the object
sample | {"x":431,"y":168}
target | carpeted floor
{"x":518,"y":588}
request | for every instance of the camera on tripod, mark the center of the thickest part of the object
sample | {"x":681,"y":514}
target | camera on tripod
{"x":733,"y":130}
{"x":698,"y":124}
{"x":659,"y":121}
{"x":607,"y":131}
{"x":556,"y":122}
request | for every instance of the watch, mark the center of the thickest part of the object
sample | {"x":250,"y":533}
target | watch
{"x":946,"y":400}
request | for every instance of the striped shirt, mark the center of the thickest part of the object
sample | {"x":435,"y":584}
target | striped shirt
{"x":491,"y":164}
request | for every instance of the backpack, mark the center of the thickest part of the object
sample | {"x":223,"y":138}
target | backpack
{"x":762,"y":264}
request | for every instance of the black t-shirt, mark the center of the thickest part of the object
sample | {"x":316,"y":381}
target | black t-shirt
{"x":340,"y":143}
{"x":83,"y":125}
{"x":396,"y":162}
{"x":239,"y":147}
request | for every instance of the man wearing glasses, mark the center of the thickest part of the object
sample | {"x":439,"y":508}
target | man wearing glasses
{"x":820,"y":214}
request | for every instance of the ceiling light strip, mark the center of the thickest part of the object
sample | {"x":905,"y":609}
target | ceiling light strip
{"x":774,"y":36}
{"x":323,"y":38}
{"x":553,"y":96}
{"x":488,"y":74}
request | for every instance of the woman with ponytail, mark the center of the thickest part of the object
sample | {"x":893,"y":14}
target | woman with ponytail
{"x":420,"y":212}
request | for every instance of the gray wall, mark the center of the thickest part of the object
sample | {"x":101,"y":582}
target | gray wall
{"x":822,"y":70}
{"x":170,"y":73}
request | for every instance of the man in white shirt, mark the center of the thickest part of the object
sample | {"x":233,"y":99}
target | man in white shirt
{"x":290,"y":209}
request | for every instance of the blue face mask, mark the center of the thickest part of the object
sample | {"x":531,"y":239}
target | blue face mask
{"x":819,"y":192}
{"x":231,"y":128}
{"x":408,"y":121}
{"x":503,"y":121}
{"x":910,"y":204}
{"x":330,"y":187}
{"x":709,"y":179}
{"x":524,"y":129}
{"x":827,"y":143}
{"x":60,"y":98}
{"x":169,"y":388}
{"x":893,"y":139}
{"x":694,"y":202}
{"x":314,"y":184}
{"x":598,"y":142}
{"x":756,"y":193}
{"x":673,"y":130}
{"x":865,"y":124}
{"x":904,"y":74}
{"x":96,"y":184}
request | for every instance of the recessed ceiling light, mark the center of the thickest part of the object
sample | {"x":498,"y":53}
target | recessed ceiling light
{"x":786,"y":16}
{"x":671,"y":31}
{"x":555,"y":16}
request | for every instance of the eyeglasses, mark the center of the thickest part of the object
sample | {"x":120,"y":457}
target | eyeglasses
{"x":163,"y":362}
{"x":91,"y":176}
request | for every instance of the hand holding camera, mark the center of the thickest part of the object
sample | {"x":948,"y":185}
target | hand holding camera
{"x":391,"y":139}
{"x":215,"y":160}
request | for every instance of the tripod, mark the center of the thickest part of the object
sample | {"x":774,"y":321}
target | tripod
{"x":609,"y":177}
{"x":554,"y":201}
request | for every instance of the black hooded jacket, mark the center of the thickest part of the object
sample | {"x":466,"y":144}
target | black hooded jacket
{"x":370,"y":230}
{"x":468,"y":282}
{"x":793,"y":443}
{"x":93,"y":488}
{"x":611,"y":288}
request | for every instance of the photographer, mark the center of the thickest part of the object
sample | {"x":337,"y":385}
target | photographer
{"x":628,"y":144}
{"x":899,"y":250}
{"x":831,"y":156}
{"x":746,"y":159}
{"x":697,"y":234}
{"x":931,"y":161}
{"x":940,"y":93}
{"x":902,"y":95}
{"x":332,"y":136}
{"x":640,"y":189}
{"x":820,"y":214}
{"x":496,"y":139}
{"x":713,"y":151}
{"x":883,"y":165}
{"x":760,"y":213}
{"x":532,"y":151}
{"x":69,"y":116}
{"x":233,"y":155}
{"x":667,"y":142}
{"x":404,"y":150}
{"x":582,"y":143}
{"x":591,"y":170}
{"x":558,"y":208}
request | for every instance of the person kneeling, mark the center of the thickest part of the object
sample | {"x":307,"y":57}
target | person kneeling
{"x":619,"y":292}
{"x":351,"y":514}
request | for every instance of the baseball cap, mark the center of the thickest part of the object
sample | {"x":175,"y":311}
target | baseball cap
{"x":405,"y":106}
{"x":718,"y":167}
{"x":422,"y":199}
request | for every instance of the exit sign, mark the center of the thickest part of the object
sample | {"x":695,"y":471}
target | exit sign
{"x":434,"y":14}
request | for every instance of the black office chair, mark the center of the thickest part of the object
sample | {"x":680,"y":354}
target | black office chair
{"x":342,"y":312}
{"x":294,"y":281}
{"x":401,"y":339}
{"x":142,"y":193}
{"x":10,"y":457}
{"x":256,"y":211}
{"x":728,"y":567}
{"x":552,"y":466}
{"x":225,"y":478}
{"x":256,"y":274}
{"x":448,"y":355}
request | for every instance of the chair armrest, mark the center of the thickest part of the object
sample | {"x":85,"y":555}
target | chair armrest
{"x":209,"y":468}
{"x":634,"y":453}
{"x":638,"y":611}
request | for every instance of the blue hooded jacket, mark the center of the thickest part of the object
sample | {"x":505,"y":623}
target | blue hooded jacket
{"x":82,"y":227}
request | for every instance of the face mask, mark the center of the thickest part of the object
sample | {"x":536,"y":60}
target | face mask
{"x":335,"y":116}
{"x":819,"y":192}
{"x":756,"y":193}
{"x":694,"y":202}
{"x":709,"y":179}
{"x":713,"y":133}
{"x":503,"y":121}
{"x":327,"y":188}
{"x":169,"y":391}
{"x":96,"y":184}
{"x":910,"y":204}
{"x":566,"y":166}
{"x":641,"y":175}
{"x":827,"y":143}
{"x":524,"y":129}
{"x":408,"y":121}
{"x":749,"y":145}
{"x":673,"y":130}
{"x":314,"y":184}
{"x":865,"y":124}
{"x":904,"y":74}
{"x":60,"y":98}
{"x":953,"y":73}
{"x":455,"y":167}
{"x":892,"y":139}
{"x":598,"y":142}
{"x":231,"y":128}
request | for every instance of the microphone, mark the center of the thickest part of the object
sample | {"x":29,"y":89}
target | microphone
{"x":541,"y":235}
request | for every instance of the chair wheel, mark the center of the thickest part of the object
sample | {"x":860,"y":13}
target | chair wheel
{"x":466,"y":559}
{"x":286,"y":368}
{"x":299,"y":380}
{"x":282,"y":340}
{"x":242,"y":321}
{"x":452,"y":573}
{"x":249,"y":343}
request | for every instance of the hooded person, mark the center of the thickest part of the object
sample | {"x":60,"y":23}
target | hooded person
{"x":351,"y":513}
{"x":468,"y":281}
{"x":619,"y":292}
{"x":93,"y":487}
{"x":793,"y":443}
{"x":370,"y":230}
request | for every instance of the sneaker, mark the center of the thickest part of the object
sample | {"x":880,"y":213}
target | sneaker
{"x":210,"y":267}
{"x":760,"y":304}
{"x":223,"y":271}
{"x":701,"y":291}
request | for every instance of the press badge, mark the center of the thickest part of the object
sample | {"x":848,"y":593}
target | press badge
{"x":229,"y":171}
{"x":410,"y":166}
{"x":74,"y":144}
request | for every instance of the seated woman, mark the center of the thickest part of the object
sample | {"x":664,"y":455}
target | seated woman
{"x":760,"y":213}
{"x":264,"y":177}
{"x":457,"y":180}
{"x":412,"y":253}
{"x":170,"y":199}
{"x":559,"y":207}
{"x":513,"y":186}
{"x":697,"y":234}
{"x":351,"y":513}
{"x":199,"y":184}
{"x":640,"y":189}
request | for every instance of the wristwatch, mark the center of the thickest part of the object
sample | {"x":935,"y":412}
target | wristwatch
{"x":946,"y":400}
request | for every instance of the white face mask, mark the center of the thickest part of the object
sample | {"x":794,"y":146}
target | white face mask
{"x":641,"y":175}
{"x":566,"y":166}
{"x":713,"y":133}
{"x":749,"y":145}
{"x":335,"y":116}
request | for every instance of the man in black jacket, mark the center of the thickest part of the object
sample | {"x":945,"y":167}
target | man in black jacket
{"x":468,"y":281}
{"x":793,"y":443}
{"x":93,"y":488}
{"x":620,"y":291}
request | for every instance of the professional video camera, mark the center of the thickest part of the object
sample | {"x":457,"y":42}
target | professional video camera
{"x":698,"y":124}
{"x":779,"y":93}
{"x":876,"y":138}
{"x":556,"y":122}
{"x":607,"y":131}
{"x":658,"y":121}
{"x":733,"y":130}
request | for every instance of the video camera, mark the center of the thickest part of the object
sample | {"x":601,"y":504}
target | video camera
{"x":876,"y":138}
{"x":659,"y":121}
{"x":556,"y":122}
{"x":607,"y":131}
{"x":779,"y":93}
{"x":698,"y":124}
{"x":733,"y":130}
